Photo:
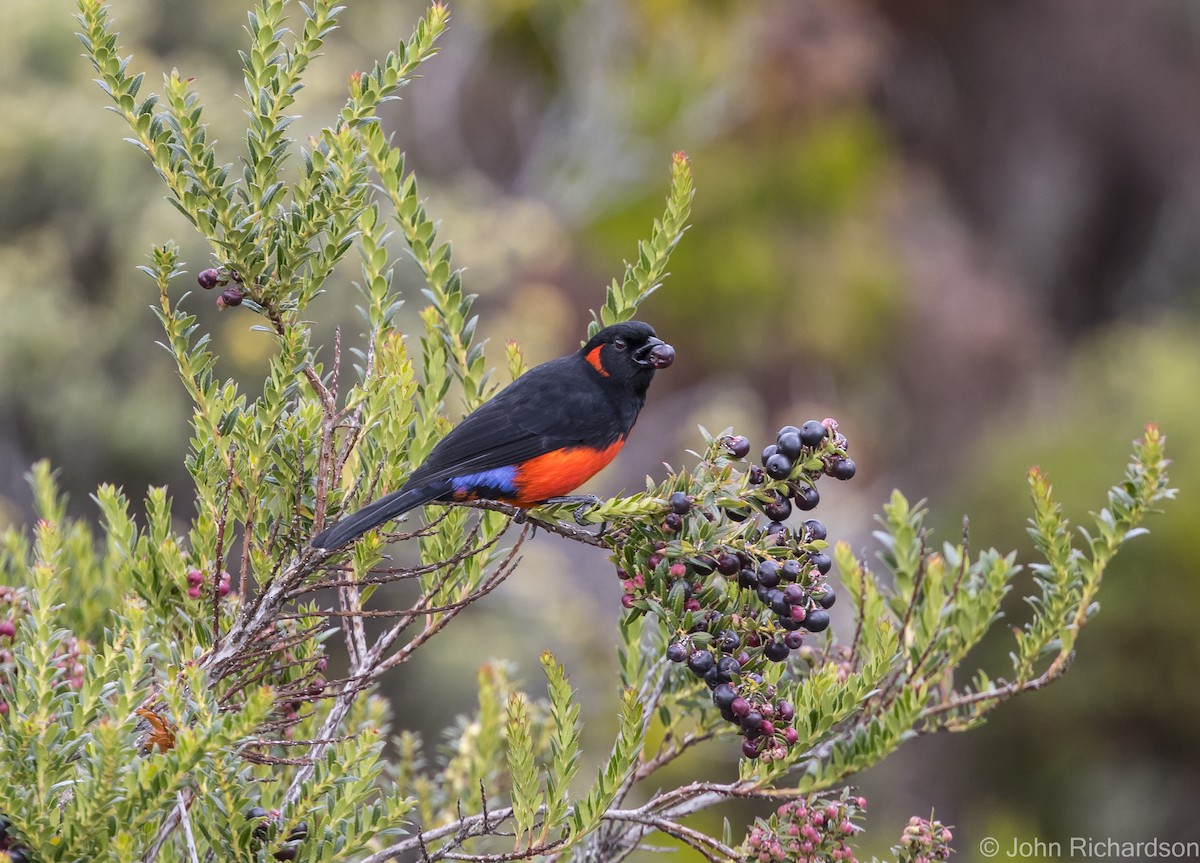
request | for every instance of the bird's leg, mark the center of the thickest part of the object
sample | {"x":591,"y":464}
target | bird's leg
{"x":584,"y":503}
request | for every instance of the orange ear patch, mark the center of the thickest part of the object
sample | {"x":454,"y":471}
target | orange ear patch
{"x":593,"y":358}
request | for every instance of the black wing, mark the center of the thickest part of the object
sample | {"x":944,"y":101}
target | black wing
{"x":555,"y":405}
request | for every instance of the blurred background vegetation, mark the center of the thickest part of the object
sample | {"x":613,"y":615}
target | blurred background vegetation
{"x":967,"y":230}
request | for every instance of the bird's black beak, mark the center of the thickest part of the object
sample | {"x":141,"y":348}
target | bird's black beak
{"x":656,"y":353}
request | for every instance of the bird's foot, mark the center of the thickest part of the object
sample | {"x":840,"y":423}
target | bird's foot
{"x":584,"y":503}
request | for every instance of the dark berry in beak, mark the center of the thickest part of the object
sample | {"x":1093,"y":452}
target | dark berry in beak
{"x":656,"y":353}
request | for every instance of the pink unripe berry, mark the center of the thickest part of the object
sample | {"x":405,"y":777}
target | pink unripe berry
{"x":195,"y":577}
{"x":321,"y":663}
{"x":677,"y":570}
{"x":194,"y":591}
{"x":627,"y":601}
{"x":790,"y":735}
{"x":8,"y":629}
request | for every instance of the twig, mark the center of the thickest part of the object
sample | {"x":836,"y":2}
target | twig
{"x":219,"y":554}
{"x":187,"y":827}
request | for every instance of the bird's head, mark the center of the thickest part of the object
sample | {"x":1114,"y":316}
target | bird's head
{"x":628,"y":352}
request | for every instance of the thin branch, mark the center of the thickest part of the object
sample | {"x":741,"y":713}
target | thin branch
{"x":219,"y":554}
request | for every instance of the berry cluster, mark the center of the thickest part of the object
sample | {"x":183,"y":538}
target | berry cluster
{"x":805,"y":832}
{"x":213,"y":278}
{"x":746,"y":599}
{"x":924,"y":841}
{"x":195,"y":580}
{"x":11,"y":850}
{"x":267,"y":827}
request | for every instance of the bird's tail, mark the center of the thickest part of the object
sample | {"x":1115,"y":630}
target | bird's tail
{"x":374,"y":514}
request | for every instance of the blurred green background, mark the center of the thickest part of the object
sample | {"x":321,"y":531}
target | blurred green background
{"x":967,"y":229}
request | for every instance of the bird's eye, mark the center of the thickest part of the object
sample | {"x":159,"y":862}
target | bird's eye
{"x":619,"y":344}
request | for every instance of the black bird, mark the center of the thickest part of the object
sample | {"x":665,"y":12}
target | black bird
{"x":538,"y":439}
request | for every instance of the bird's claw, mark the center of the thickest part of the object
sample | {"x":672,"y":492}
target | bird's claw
{"x":584,"y":503}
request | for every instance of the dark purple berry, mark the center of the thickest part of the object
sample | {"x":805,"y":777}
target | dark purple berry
{"x":790,"y":570}
{"x":785,"y":711}
{"x":729,"y":640}
{"x":789,"y":621}
{"x":740,"y":707}
{"x":756,"y":475}
{"x":724,"y":695}
{"x":287,"y":852}
{"x":815,"y":529}
{"x":793,"y":640}
{"x":208,"y":279}
{"x":704,"y":564}
{"x":230,"y":297}
{"x":821,"y":562}
{"x":777,"y":530}
{"x":764,"y":594}
{"x":729,"y":666}
{"x":672,"y":522}
{"x":807,"y":497}
{"x":256,"y":812}
{"x":778,"y":604}
{"x":778,"y":509}
{"x":747,"y":578}
{"x":767,"y":452}
{"x":700,"y":662}
{"x":817,"y":620}
{"x":843,"y":468}
{"x":794,"y":594}
{"x":676,"y":652}
{"x":680,"y":503}
{"x":768,"y":573}
{"x":728,"y":564}
{"x":789,"y":444}
{"x":778,"y":466}
{"x":750,"y":749}
{"x":776,"y":651}
{"x":812,"y":433}
{"x":826,"y":598}
{"x":752,"y":724}
{"x":714,"y":678}
{"x":299,"y":832}
{"x":738,"y":446}
{"x":787,"y":430}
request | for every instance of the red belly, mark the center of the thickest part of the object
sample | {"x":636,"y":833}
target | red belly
{"x":560,"y":472}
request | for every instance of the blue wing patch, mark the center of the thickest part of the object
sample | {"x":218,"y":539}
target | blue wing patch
{"x":497,"y":482}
